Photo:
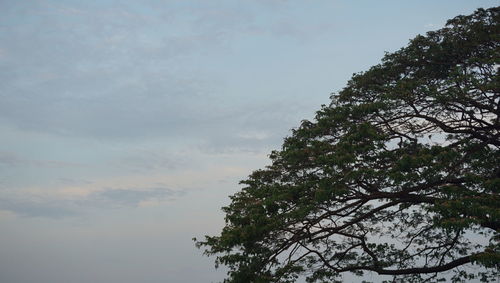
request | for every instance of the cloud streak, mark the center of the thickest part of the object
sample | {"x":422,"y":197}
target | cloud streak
{"x":14,"y":159}
{"x":74,"y":205}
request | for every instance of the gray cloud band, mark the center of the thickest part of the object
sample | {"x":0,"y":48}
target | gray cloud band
{"x":104,"y":199}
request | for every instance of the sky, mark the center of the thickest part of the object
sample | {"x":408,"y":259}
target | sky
{"x":126,"y":125}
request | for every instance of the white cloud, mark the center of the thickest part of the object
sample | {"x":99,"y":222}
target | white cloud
{"x":123,"y":192}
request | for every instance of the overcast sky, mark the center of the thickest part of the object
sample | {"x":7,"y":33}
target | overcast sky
{"x":125,"y":125}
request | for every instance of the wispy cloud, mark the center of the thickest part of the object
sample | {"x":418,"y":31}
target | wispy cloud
{"x":14,"y":159}
{"x":70,"y":203}
{"x":38,"y":207}
{"x":132,"y":197}
{"x":149,"y":160}
{"x":115,"y":74}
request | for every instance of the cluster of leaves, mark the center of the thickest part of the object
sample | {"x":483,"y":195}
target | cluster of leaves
{"x":399,"y":175}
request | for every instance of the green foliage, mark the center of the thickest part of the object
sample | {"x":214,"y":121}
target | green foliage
{"x":398,"y":175}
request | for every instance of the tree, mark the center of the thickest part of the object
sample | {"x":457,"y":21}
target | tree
{"x":399,"y":175}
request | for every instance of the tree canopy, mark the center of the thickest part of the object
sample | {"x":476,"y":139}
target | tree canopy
{"x":399,"y":175}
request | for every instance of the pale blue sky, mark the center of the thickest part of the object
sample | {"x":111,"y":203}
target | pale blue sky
{"x":125,"y":125}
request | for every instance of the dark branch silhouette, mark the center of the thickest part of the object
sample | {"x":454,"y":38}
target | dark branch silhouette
{"x":399,"y":175}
